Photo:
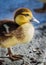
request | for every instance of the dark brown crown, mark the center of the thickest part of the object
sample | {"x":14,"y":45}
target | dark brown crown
{"x":20,"y":10}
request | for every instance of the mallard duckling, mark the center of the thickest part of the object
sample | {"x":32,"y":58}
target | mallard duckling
{"x":43,"y":9}
{"x":20,"y":31}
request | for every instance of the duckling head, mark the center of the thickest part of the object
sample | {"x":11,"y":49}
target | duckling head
{"x":24,"y":15}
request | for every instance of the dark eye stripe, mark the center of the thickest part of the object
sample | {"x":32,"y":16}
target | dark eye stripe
{"x":25,"y":14}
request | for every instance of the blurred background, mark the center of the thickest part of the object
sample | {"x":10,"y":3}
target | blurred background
{"x":7,"y":9}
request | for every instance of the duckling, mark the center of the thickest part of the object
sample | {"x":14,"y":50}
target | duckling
{"x":43,"y":9}
{"x":20,"y":31}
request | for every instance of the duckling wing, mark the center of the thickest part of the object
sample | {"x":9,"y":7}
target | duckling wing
{"x":16,"y":35}
{"x":7,"y":37}
{"x":7,"y":27}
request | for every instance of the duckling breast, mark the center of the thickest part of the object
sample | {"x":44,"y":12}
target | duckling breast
{"x":28,"y":31}
{"x":24,"y":33}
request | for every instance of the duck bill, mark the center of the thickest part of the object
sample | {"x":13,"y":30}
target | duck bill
{"x":35,"y":20}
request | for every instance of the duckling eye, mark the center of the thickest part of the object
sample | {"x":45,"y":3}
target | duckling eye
{"x":26,"y":14}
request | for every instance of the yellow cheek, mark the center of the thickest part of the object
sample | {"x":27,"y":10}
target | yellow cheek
{"x":20,"y":19}
{"x":29,"y":18}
